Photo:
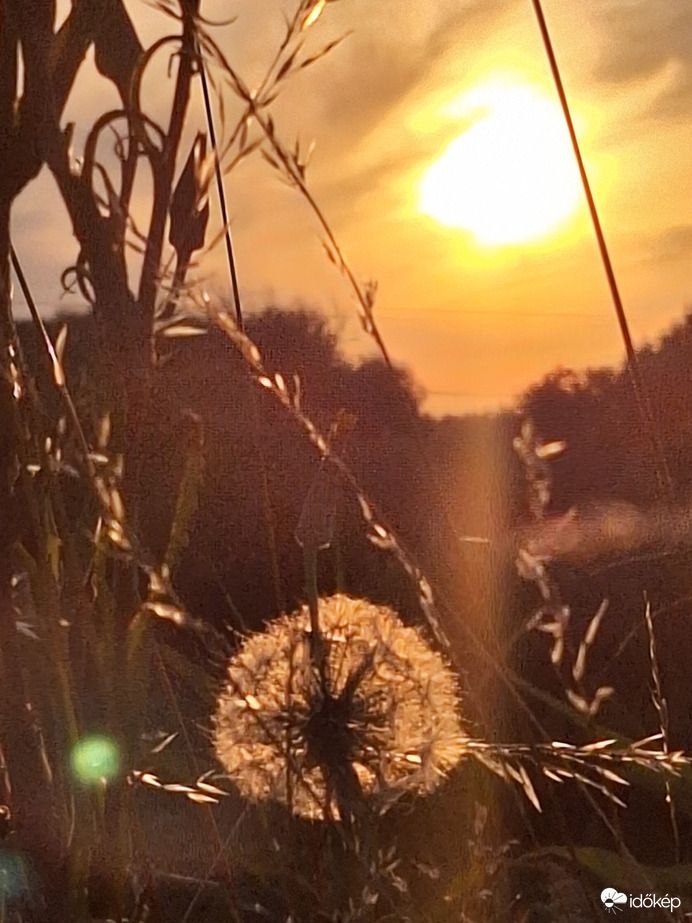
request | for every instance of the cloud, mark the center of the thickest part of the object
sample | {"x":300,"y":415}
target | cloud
{"x":674,"y":243}
{"x":397,"y":59}
{"x":642,"y":40}
{"x":391,"y":52}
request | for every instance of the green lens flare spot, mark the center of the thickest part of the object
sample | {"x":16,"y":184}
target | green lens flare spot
{"x":14,"y":876}
{"x":95,"y":760}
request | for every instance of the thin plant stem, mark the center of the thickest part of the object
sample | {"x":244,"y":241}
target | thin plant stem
{"x":55,"y":362}
{"x":163,"y":175}
{"x":210,"y":819}
{"x":661,"y":706}
{"x":665,"y":483}
{"x":230,"y":258}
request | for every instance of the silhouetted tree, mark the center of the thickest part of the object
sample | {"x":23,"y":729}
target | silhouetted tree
{"x":609,"y":453}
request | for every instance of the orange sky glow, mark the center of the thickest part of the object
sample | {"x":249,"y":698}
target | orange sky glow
{"x":444,"y":169}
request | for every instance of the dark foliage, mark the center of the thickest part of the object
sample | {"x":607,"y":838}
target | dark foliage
{"x":442,"y":485}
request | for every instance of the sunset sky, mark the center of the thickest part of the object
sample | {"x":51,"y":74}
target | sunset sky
{"x":476,"y":318}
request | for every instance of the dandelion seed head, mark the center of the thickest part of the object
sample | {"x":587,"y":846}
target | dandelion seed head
{"x":389,"y":717}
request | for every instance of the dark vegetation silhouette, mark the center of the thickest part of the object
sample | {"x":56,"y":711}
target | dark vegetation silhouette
{"x":593,"y":411}
{"x":443,"y":484}
{"x":626,"y":544}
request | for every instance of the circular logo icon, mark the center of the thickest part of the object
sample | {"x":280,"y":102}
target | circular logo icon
{"x":612,"y":898}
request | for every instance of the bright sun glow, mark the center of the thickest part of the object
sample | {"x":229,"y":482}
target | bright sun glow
{"x":510,"y":177}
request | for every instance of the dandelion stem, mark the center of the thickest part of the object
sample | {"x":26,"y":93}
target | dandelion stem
{"x":317,"y":646}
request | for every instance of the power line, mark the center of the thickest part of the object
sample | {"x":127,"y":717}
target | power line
{"x":489,"y":397}
{"x":57,"y":305}
{"x":475,"y":312}
{"x":509,"y":312}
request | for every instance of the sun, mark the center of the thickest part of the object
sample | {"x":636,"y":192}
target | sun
{"x":510,"y":177}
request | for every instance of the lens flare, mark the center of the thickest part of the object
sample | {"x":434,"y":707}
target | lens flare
{"x":95,"y":760}
{"x":14,"y":876}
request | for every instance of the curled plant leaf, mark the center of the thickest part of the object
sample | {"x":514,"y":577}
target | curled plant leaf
{"x":189,"y":210}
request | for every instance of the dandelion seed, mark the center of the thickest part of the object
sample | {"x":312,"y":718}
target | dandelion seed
{"x":387,"y":721}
